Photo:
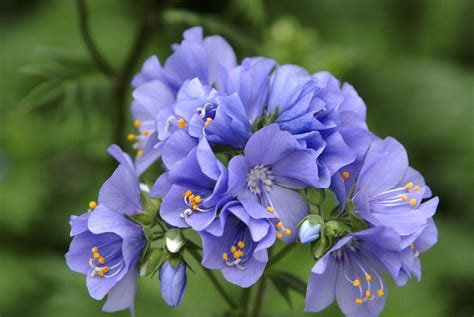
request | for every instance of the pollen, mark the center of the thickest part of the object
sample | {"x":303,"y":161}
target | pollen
{"x":358,"y":301}
{"x":345,"y":175}
{"x":404,"y":198}
{"x":412,"y":246}
{"x":380,"y":293}
{"x":188,"y":193}
{"x":241,"y":244}
{"x":96,"y":255}
{"x":270,"y":209}
{"x":356,"y":283}
{"x":279,"y":235}
{"x":416,"y":188}
{"x":182,"y":123}
{"x":367,"y":293}
{"x":368,"y":277}
{"x":100,"y":273}
{"x":197,"y":199}
{"x":225,"y":256}
{"x":95,"y":250}
{"x":139,"y":153}
{"x":92,"y":204}
{"x":132,"y":137}
{"x":195,"y":207}
{"x":208,"y":121}
{"x":279,"y":225}
{"x":233,"y":249}
{"x":105,"y":269}
{"x":137,"y":123}
{"x":101,"y":260}
{"x":287,"y":232}
{"x":409,"y":185}
{"x":146,"y":133}
{"x":412,"y":202}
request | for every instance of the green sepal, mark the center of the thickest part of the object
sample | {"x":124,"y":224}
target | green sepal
{"x":321,"y":246}
{"x":336,"y":229}
{"x":315,"y":196}
{"x":153,"y":259}
{"x":174,"y":259}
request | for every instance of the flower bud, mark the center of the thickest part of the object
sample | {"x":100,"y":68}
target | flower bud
{"x":309,"y":232}
{"x":174,"y":240}
{"x":173,"y":283}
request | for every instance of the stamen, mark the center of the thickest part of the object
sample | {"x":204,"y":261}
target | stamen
{"x":132,"y":137}
{"x":356,"y":283}
{"x":287,"y":232}
{"x":409,"y":185}
{"x":145,"y":133}
{"x":270,"y":209}
{"x":279,"y":235}
{"x":182,"y":123}
{"x":92,"y":205}
{"x":416,"y":188}
{"x":404,"y":198}
{"x":345,"y":175}
{"x":380,"y":293}
{"x":225,"y":256}
{"x":413,"y":202}
{"x":368,"y":277}
{"x":137,"y":123}
{"x":208,"y":121}
{"x":367,"y":294}
{"x":139,"y":153}
{"x":358,"y":301}
{"x":241,"y":244}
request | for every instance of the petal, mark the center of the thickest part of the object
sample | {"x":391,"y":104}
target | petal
{"x":121,"y":192}
{"x":122,"y":295}
{"x":218,"y":51}
{"x":154,"y":96}
{"x":320,"y":292}
{"x":297,"y":170}
{"x":178,"y":145}
{"x":173,"y":205}
{"x":238,"y":170}
{"x":247,"y":277}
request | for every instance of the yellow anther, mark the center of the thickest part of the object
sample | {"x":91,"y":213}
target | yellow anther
{"x":404,"y":198}
{"x":188,"y":193}
{"x":409,"y":185}
{"x":270,"y":209}
{"x":105,"y":269}
{"x":139,"y":153}
{"x":225,"y":256}
{"x":368,"y":277}
{"x":182,"y":123}
{"x":96,"y":255}
{"x":101,"y":260}
{"x":92,"y":204}
{"x":358,"y":301}
{"x":380,"y":293}
{"x":287,"y":232}
{"x":197,"y":199}
{"x":208,"y":121}
{"x":416,"y":188}
{"x":241,"y":244}
{"x":237,"y":255}
{"x":137,"y":123}
{"x":195,"y":207}
{"x":279,"y":225}
{"x":367,"y":293}
{"x":233,"y":249}
{"x":95,"y":250}
{"x":345,"y":175}
{"x":412,"y":246}
{"x":132,"y":137}
{"x":356,"y":283}
{"x":412,"y":202}
{"x":279,"y":235}
{"x":100,"y":273}
{"x":145,"y":133}
{"x":191,"y":197}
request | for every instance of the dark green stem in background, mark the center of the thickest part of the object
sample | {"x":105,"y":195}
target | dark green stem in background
{"x":280,"y":255}
{"x":214,"y":280}
{"x":259,"y":298}
{"x":244,"y":301}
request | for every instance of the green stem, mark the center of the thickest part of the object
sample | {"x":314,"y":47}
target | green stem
{"x":214,"y":280}
{"x":259,"y":298}
{"x":244,"y":301}
{"x":280,"y":255}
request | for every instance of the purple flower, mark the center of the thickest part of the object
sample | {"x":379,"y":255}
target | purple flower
{"x":351,"y":272}
{"x":390,"y":193}
{"x":263,"y":177}
{"x":220,"y":118}
{"x":237,"y":244}
{"x":173,"y":283}
{"x":322,"y":115}
{"x":106,"y":246}
{"x":193,"y":189}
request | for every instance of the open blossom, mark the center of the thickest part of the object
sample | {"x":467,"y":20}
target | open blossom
{"x":263,"y":178}
{"x":106,"y":246}
{"x":197,"y":186}
{"x":237,"y":244}
{"x":351,"y":272}
{"x":390,"y":193}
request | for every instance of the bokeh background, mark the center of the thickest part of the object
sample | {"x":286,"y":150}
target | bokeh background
{"x":411,"y":61}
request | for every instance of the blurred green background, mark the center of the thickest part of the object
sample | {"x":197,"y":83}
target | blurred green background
{"x":411,"y":61}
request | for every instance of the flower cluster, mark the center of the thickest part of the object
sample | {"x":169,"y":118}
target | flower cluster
{"x":249,"y":151}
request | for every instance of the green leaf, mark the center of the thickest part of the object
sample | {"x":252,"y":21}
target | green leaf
{"x":285,"y":281}
{"x":153,"y":260}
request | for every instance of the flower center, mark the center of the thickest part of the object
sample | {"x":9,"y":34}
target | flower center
{"x":259,"y":179}
{"x":240,"y":249}
{"x":103,"y":265}
{"x":192,"y":201}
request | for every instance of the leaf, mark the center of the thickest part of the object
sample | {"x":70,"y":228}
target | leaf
{"x":285,"y":281}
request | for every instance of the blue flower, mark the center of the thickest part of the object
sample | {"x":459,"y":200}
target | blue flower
{"x":173,"y":283}
{"x":351,"y":272}
{"x":263,"y":178}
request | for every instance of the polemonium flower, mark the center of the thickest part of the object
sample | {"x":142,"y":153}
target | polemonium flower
{"x":220,"y":118}
{"x":351,"y":272}
{"x":237,"y":244}
{"x":106,"y":246}
{"x":173,"y":282}
{"x":323,"y":116}
{"x":263,"y":178}
{"x":390,"y":193}
{"x":197,"y":186}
